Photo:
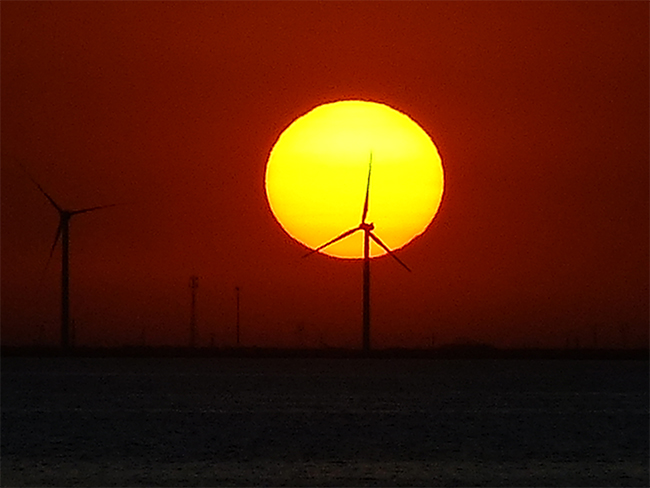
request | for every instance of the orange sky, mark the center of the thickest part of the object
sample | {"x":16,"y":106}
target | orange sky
{"x":539,"y":111}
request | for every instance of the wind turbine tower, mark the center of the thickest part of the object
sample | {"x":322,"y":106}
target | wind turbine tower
{"x":63,"y":231}
{"x":367,"y":228}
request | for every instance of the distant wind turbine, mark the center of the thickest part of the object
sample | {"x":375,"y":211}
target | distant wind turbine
{"x":63,"y":231}
{"x":367,"y":228}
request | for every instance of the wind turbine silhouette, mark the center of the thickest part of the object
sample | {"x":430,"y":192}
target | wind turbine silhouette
{"x":63,"y":231}
{"x":367,"y":228}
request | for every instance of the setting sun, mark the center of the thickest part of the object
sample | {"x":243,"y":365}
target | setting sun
{"x":317,"y":173}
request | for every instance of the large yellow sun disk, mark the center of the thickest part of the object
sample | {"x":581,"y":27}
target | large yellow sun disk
{"x":317,"y":172}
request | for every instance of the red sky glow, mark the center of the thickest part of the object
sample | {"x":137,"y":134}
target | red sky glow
{"x":539,"y":111}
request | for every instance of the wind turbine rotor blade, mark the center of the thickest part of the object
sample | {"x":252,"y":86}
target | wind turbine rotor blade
{"x":84,"y":210}
{"x":56,"y":240}
{"x":390,"y":253}
{"x":342,"y":236}
{"x":49,"y":259}
{"x":365,"y":204}
{"x":40,"y":188}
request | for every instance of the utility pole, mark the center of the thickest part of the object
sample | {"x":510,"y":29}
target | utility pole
{"x":237,"y":323}
{"x":194,"y":284}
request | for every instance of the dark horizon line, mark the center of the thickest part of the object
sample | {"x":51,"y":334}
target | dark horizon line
{"x":441,"y":352}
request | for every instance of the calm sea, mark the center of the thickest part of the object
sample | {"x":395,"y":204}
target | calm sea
{"x":325,"y":422}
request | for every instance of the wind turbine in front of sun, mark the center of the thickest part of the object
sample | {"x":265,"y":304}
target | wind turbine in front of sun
{"x":367,"y":228}
{"x":310,"y":187}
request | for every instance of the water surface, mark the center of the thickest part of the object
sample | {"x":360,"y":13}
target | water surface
{"x":243,"y":421}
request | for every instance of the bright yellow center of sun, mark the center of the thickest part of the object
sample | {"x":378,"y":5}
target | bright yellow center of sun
{"x":317,"y":173}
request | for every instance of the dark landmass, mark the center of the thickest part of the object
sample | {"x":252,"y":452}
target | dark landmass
{"x":452,"y":351}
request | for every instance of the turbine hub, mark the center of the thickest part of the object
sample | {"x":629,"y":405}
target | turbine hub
{"x":367,"y":226}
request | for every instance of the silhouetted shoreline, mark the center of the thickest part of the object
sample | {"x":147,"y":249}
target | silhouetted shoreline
{"x":442,"y":352}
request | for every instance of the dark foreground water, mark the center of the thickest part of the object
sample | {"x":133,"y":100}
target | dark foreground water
{"x":326,"y":422}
